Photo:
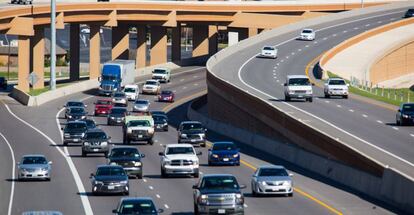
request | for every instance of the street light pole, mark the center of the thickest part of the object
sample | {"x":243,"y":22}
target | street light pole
{"x":53,"y":45}
{"x":362,"y":3}
{"x":8,"y":58}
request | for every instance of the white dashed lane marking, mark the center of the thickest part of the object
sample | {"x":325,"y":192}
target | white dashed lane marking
{"x":356,"y":28}
{"x":307,"y":46}
{"x":293,"y":53}
{"x":367,"y":25}
{"x":196,"y":84}
{"x":338,"y":106}
{"x":395,"y":128}
{"x":166,"y":206}
{"x":151,"y":187}
{"x":350,"y":110}
{"x":325,"y":38}
{"x":344,"y":32}
{"x":326,"y":101}
{"x":315,"y":42}
{"x":144,"y":180}
{"x":182,"y":80}
{"x":334,"y":35}
{"x":158,"y":196}
{"x":364,"y":115}
{"x":379,"y":121}
{"x":299,"y":50}
{"x":412,"y":135}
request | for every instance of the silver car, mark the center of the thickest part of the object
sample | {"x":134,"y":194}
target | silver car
{"x":119,"y":98}
{"x":34,"y":167}
{"x":272,"y":179}
{"x":141,"y":105}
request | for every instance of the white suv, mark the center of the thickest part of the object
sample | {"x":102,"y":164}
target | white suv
{"x":336,"y":87}
{"x":179,"y":159}
{"x":131,"y":91}
{"x":307,"y":34}
{"x":298,"y":87}
{"x":269,"y":52}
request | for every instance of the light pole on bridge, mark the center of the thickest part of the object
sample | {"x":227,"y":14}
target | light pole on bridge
{"x":53,"y":45}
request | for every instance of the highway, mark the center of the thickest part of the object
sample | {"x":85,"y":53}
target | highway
{"x":36,"y":130}
{"x":369,"y":128}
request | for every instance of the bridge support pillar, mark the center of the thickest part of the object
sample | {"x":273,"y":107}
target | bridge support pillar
{"x":120,"y":42}
{"x":74,"y":73}
{"x":23,"y":63}
{"x":141,"y":58}
{"x":237,"y":34}
{"x":158,"y":45}
{"x":212,"y":39}
{"x":94,"y":51}
{"x":253,"y":32}
{"x":37,"y":44}
{"x":200,"y":40}
{"x":176,"y":44}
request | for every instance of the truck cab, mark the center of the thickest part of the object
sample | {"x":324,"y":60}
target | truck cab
{"x":115,"y":75}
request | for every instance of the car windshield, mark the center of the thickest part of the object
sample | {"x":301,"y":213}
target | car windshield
{"x":103,"y":102}
{"x":141,"y":102}
{"x":219,"y":183}
{"x":299,"y":82}
{"x":129,"y":90}
{"x":337,"y":82}
{"x":119,"y":95}
{"x":268,"y":48}
{"x":273,"y":172}
{"x":76,"y":125}
{"x":141,"y":207}
{"x":112,"y":171}
{"x":151,"y":83}
{"x":166,"y":93}
{"x":118,"y":110}
{"x":408,"y":108}
{"x":160,"y":71}
{"x":90,"y":123}
{"x":74,"y":104}
{"x":192,"y":126}
{"x":95,"y":135}
{"x":307,"y":31}
{"x":77,"y":110}
{"x":158,"y":112}
{"x":159,"y":118}
{"x":180,"y":150}
{"x":224,"y":146}
{"x":135,"y":123}
{"x":125,"y":153}
{"x":34,"y":160}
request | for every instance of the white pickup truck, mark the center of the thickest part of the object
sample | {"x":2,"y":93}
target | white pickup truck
{"x":138,"y":128}
{"x":179,"y":159}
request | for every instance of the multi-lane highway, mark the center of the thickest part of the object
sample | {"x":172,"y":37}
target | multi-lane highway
{"x":36,"y":130}
{"x":364,"y":126}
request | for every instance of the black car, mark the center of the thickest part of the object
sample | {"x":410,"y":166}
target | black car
{"x":90,"y":123}
{"x":159,"y":112}
{"x":95,"y":141}
{"x":3,"y":83}
{"x":76,"y":113}
{"x":192,"y":132}
{"x":74,"y":131}
{"x":116,"y":116}
{"x":409,"y":13}
{"x":218,"y":194}
{"x":160,"y":122}
{"x":110,"y":179}
{"x":129,"y":158}
{"x":137,"y":205}
{"x":405,"y":114}
{"x":70,"y":104}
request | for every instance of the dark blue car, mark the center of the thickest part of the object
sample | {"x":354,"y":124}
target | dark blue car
{"x":224,"y":153}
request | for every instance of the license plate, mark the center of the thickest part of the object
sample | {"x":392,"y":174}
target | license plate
{"x":95,"y":150}
{"x":140,"y":136}
{"x":221,"y":211}
{"x":76,"y":140}
{"x":275,"y":189}
{"x":300,"y":96}
{"x":192,"y":140}
{"x":225,"y":159}
{"x":111,"y":187}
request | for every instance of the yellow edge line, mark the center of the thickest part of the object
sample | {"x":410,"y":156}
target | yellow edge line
{"x":301,"y":192}
{"x":367,"y":100}
{"x":183,"y":100}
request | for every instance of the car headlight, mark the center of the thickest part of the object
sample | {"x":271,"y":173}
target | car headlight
{"x":184,"y":135}
{"x":239,"y":198}
{"x":263,"y":182}
{"x":138,"y":163}
{"x":203,"y":199}
{"x":70,"y":117}
{"x":100,"y":88}
{"x":104,"y":143}
{"x":67,"y":135}
{"x":112,"y":117}
{"x":123,"y":182}
{"x":113,"y":163}
{"x":308,"y":91}
{"x":287,"y":183}
{"x":129,"y":130}
{"x":405,"y":116}
{"x":115,"y":89}
{"x":165,"y":123}
{"x":23,"y":170}
{"x":151,"y":131}
{"x":195,"y":163}
{"x":236,"y":155}
{"x":215,"y":156}
{"x":167,"y":162}
{"x":98,"y":182}
{"x":83,"y":117}
{"x":83,"y":134}
{"x":291,"y":92}
{"x":44,"y":169}
{"x":86,"y":143}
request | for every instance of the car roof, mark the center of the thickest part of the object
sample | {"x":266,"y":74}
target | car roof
{"x":159,"y":115}
{"x":95,"y":130}
{"x":131,"y":85}
{"x":124,"y":147}
{"x":116,"y":107}
{"x":176,"y":145}
{"x":166,"y":91}
{"x":307,"y":29}
{"x":272,"y":167}
{"x":33,"y":155}
{"x":77,"y":121}
{"x":217,"y":175}
{"x":107,"y":165}
{"x":269,"y":46}
{"x":223,"y":142}
{"x":190,"y":122}
{"x":152,"y":80}
{"x":297,"y":76}
{"x":136,"y":198}
{"x":336,"y":79}
{"x":74,"y":101}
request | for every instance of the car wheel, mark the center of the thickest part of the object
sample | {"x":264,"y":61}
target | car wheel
{"x":254,"y":192}
{"x":151,"y":142}
{"x":83,"y":154}
{"x":106,"y":154}
{"x":310,"y":99}
{"x":326,"y":95}
{"x":397,"y":122}
{"x":166,"y":129}
{"x":163,"y":175}
{"x":196,"y":210}
{"x":345,"y":97}
{"x":287,"y":98}
{"x":290,"y":195}
{"x":196,"y":175}
{"x":126,"y":193}
{"x":203,"y":144}
{"x":139,"y":176}
{"x":48,"y":179}
{"x":65,"y":143}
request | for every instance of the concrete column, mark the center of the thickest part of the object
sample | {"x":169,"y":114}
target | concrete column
{"x":120,"y":42}
{"x":176,"y":44}
{"x":212,"y":39}
{"x":74,"y":52}
{"x":237,"y":34}
{"x":243,"y":33}
{"x":141,"y":58}
{"x":158,"y":45}
{"x":94,"y":52}
{"x":200,"y":40}
{"x":23,"y":63}
{"x":253,"y":32}
{"x":37,"y":44}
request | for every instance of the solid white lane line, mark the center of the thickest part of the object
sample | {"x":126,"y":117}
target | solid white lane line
{"x":395,"y":128}
{"x":9,"y":210}
{"x":364,"y":115}
{"x":166,"y":206}
{"x":379,"y":121}
{"x":158,"y":196}
{"x":81,"y":189}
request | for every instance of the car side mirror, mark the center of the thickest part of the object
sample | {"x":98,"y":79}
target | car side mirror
{"x":290,"y":174}
{"x":64,"y":105}
{"x":199,"y":153}
{"x":50,"y":162}
{"x":195,"y":187}
{"x":86,"y":105}
{"x":92,"y":175}
{"x":160,"y":211}
{"x":242,"y":186}
{"x":161,"y":153}
{"x":285,"y":84}
{"x":99,"y":78}
{"x":399,"y":110}
{"x":109,"y":137}
{"x":209,"y":149}
{"x":142,"y":155}
{"x":205,"y":129}
{"x":114,"y":211}
{"x":61,"y":128}
{"x":313,"y":84}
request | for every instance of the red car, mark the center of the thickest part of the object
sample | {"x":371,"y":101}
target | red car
{"x":166,"y":96}
{"x":103,"y":106}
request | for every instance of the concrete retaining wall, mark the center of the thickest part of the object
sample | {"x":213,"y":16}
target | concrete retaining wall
{"x":391,"y":187}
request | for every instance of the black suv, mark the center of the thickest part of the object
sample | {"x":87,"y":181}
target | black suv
{"x":192,"y":132}
{"x":76,"y":113}
{"x":405,"y":114}
{"x":90,"y":123}
{"x":116,"y":116}
{"x":409,"y":13}
{"x":74,"y":132}
{"x":95,"y":141}
{"x":129,"y":158}
{"x":218,"y":194}
{"x":3,"y":83}
{"x":160,"y":122}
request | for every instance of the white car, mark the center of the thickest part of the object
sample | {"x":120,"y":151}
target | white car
{"x":269,"y":52}
{"x":336,"y":87}
{"x":162,"y":74}
{"x":119,"y":98}
{"x":179,"y":159}
{"x":151,"y":87}
{"x":307,"y":34}
{"x":131,"y":92}
{"x":298,"y":87}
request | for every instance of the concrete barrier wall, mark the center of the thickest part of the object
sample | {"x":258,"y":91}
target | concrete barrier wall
{"x":391,"y":187}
